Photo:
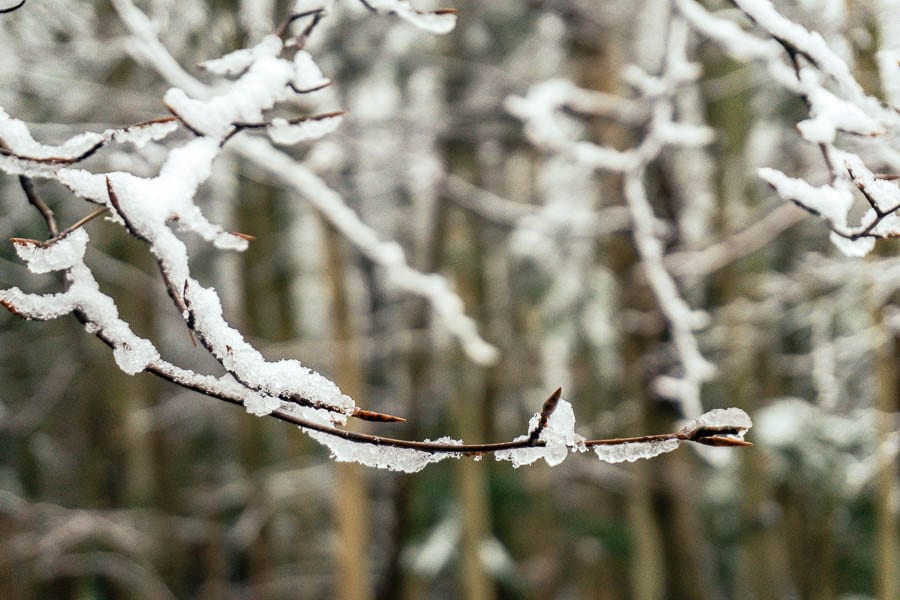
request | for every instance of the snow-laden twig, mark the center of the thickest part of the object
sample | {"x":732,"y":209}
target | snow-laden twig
{"x":734,"y":246}
{"x":21,"y":154}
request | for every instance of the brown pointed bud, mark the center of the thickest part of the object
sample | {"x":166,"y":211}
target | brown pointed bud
{"x":371,"y":415}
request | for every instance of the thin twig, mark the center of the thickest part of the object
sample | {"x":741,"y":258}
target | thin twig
{"x":65,"y":232}
{"x":317,"y":15}
{"x":35,"y":199}
{"x":308,"y":90}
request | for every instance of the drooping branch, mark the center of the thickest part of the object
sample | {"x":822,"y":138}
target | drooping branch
{"x":68,"y":230}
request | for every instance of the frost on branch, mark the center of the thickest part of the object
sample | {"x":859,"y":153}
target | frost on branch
{"x":132,"y":353}
{"x":289,"y":133}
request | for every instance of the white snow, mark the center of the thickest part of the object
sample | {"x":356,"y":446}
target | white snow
{"x":721,"y":419}
{"x":261,"y":405}
{"x":286,"y":133}
{"x":833,"y":204}
{"x":538,"y":109}
{"x":830,"y":114}
{"x":813,"y":45}
{"x":886,"y":194}
{"x":889,"y":226}
{"x":37,"y":306}
{"x":133,"y":356}
{"x":558,"y":436}
{"x":258,"y":89}
{"x":405,"y":460}
{"x":307,"y":75}
{"x":738,"y":43}
{"x":16,"y":135}
{"x":141,"y":134}
{"x":84,"y":184}
{"x":233,"y":63}
{"x":153,"y":204}
{"x":853,"y":248}
{"x":18,"y":138}
{"x":830,"y":202}
{"x":439,"y":23}
{"x":132,"y":353}
{"x":632,"y":451}
{"x":60,"y":255}
{"x":282,"y":378}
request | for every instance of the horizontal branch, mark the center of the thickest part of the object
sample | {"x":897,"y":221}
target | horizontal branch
{"x":727,"y":435}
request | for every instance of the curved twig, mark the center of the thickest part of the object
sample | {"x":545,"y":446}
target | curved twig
{"x":13,"y":8}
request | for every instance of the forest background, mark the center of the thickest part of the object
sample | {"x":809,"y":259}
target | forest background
{"x":648,"y":293}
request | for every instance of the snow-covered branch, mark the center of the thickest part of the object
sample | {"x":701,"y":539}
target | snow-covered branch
{"x":839,"y":109}
{"x":159,"y":210}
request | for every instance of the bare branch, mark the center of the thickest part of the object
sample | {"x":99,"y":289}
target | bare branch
{"x":317,"y":15}
{"x":38,"y":202}
{"x":62,"y":234}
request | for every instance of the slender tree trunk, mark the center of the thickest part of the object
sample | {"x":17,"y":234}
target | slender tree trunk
{"x":764,"y":554}
{"x":472,"y":476}
{"x":351,"y":504}
{"x":888,"y":528}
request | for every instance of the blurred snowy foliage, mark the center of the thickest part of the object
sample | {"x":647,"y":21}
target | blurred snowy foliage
{"x":515,"y":197}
